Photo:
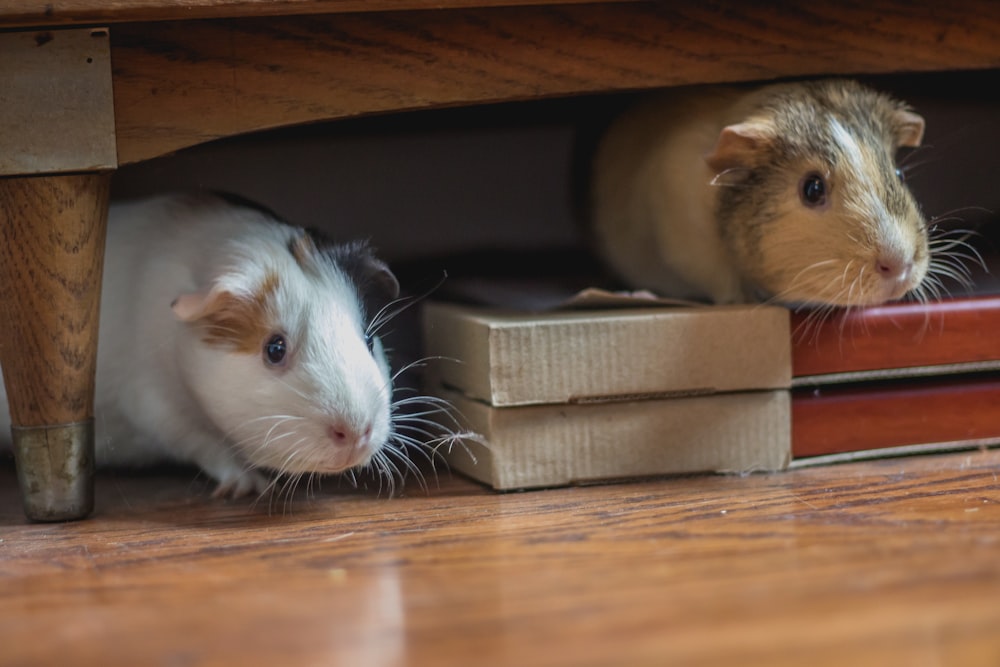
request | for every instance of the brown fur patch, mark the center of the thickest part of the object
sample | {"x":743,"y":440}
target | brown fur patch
{"x":240,"y":324}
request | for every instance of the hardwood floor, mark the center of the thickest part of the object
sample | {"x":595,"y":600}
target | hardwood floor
{"x":893,"y":562}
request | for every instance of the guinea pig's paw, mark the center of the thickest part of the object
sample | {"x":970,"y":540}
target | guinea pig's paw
{"x":241,"y":485}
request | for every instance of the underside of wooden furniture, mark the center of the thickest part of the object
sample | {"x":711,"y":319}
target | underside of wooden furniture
{"x":182,"y":83}
{"x":178,"y":83}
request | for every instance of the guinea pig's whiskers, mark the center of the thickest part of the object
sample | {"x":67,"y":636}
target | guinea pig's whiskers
{"x":424,"y":426}
{"x":951,"y":256}
{"x":953,"y":251}
{"x":856,"y":291}
{"x":931,"y":288}
{"x":260,"y":443}
{"x":386,"y":314}
{"x":284,"y":493}
{"x":286,"y":466}
{"x":387,"y":472}
{"x":813,"y":322}
{"x":951,"y":215}
{"x":795,"y":281}
{"x":908,"y":168}
{"x":400,"y":441}
{"x":407,"y":463}
{"x":312,"y":484}
{"x":295,"y":390}
{"x":943,"y":269}
{"x":419,"y":363}
{"x":916,"y":152}
{"x":392,"y":309}
{"x":953,"y":246}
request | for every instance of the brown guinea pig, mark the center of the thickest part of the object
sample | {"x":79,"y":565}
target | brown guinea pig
{"x":787,"y":192}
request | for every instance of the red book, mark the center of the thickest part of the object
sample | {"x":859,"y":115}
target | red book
{"x":958,"y":335}
{"x":948,"y":349}
{"x":851,"y":418}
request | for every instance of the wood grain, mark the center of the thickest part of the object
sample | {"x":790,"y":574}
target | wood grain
{"x":829,"y":420}
{"x":898,"y":336}
{"x":884,"y":563}
{"x":181,"y":83}
{"x":52,"y":231}
{"x":22,"y":13}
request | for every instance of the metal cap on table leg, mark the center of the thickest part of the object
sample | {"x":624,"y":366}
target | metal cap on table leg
{"x":55,"y":469}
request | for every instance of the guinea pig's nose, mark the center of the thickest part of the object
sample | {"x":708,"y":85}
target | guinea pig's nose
{"x":893,"y":268}
{"x":343,"y":435}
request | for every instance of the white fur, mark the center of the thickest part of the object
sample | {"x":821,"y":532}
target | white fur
{"x":890,"y":239}
{"x":165,"y":395}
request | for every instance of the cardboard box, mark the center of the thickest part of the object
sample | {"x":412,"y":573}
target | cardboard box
{"x":582,"y":396}
{"x":579,"y":396}
{"x":510,"y":358}
{"x":555,"y":445}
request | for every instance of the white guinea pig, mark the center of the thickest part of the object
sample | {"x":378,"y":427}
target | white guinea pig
{"x":238,"y":343}
{"x":787,"y":191}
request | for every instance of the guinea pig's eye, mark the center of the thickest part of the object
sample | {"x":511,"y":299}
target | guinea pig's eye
{"x":901,"y":175}
{"x":370,"y":342}
{"x":275,"y":349}
{"x":812,"y":190}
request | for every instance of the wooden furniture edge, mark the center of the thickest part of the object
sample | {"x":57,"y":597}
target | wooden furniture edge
{"x":178,"y":84}
{"x":63,"y":13}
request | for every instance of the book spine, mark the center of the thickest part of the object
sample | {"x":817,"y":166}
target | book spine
{"x":850,"y":418}
{"x":903,"y":335}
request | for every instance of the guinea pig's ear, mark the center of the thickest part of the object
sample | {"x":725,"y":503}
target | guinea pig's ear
{"x":374,"y":280}
{"x":237,"y":323}
{"x":739,"y":146}
{"x":381,"y":278}
{"x":191,"y":307}
{"x":909,"y":128}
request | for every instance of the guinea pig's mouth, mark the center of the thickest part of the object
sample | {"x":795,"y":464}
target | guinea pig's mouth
{"x":326,"y":462}
{"x":848,"y":285}
{"x":313,"y":449}
{"x":331,"y":460}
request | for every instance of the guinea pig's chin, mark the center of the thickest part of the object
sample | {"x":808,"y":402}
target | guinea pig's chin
{"x":861,"y":299}
{"x":316,"y":456}
{"x":345,"y":459}
{"x":835,"y":290}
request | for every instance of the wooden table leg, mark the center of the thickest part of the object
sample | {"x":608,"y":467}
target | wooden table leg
{"x":52,"y":231}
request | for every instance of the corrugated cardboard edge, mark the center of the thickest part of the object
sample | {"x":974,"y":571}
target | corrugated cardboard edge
{"x":558,"y":445}
{"x":506,"y":358}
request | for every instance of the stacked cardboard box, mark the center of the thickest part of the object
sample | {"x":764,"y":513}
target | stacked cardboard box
{"x":580,"y":396}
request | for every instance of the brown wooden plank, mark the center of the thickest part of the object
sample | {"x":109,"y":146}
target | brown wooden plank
{"x":831,"y":420}
{"x":179,"y":84}
{"x":882,"y":563}
{"x":898,"y":336}
{"x":27,"y":13}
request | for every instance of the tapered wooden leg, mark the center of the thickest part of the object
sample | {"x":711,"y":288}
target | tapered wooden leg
{"x":52,"y":231}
